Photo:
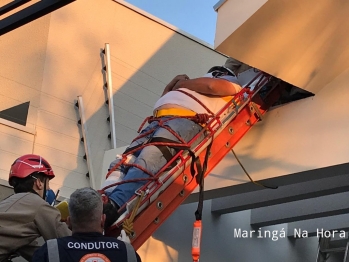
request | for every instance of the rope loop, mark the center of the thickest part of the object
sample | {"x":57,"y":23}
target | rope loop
{"x":128,"y":223}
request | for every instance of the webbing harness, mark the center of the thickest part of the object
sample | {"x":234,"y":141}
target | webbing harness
{"x":161,"y":143}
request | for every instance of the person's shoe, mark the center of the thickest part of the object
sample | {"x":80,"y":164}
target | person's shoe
{"x":111,"y":212}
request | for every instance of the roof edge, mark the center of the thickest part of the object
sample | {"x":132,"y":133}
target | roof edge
{"x":169,"y":26}
{"x":219,"y":4}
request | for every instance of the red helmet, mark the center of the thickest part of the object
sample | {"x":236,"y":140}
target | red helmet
{"x":28,"y":164}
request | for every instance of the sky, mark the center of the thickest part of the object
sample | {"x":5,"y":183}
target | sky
{"x":196,"y":17}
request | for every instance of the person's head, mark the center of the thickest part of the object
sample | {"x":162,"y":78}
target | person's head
{"x":30,"y":172}
{"x":86,"y":211}
{"x":231,"y":66}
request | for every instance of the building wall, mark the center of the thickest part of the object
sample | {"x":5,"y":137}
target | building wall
{"x":56,"y":58}
{"x":22,"y":57}
{"x":173,"y":240}
{"x":302,"y":42}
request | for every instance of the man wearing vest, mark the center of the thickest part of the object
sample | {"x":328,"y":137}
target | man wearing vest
{"x":87,"y":243}
{"x":183,"y":98}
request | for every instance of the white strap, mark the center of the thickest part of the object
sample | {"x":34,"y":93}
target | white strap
{"x":52,"y":250}
{"x":131,"y":254}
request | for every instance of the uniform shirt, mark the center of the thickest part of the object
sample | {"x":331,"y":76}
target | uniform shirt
{"x":24,"y":217}
{"x":80,"y":247}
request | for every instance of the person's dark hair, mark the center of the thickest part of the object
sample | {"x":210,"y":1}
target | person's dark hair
{"x":85,"y":207}
{"x":24,"y":185}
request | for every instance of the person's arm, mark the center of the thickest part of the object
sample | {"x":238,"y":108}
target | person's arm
{"x":48,"y":222}
{"x":173,"y":82}
{"x":27,"y":251}
{"x":209,"y":86}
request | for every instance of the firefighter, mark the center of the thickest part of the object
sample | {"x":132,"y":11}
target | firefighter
{"x":25,"y":215}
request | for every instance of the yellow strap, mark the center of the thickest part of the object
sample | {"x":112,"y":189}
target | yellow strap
{"x":227,"y":98}
{"x":128,"y":223}
{"x":174,"y":112}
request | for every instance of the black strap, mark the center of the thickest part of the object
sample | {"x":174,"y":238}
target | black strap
{"x":200,"y":180}
{"x":165,"y":149}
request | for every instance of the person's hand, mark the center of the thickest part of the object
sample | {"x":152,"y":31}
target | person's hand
{"x":173,"y":82}
{"x":180,"y":77}
{"x":124,"y":237}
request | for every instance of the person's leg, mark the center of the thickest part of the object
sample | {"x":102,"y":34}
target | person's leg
{"x":152,"y":159}
{"x":110,"y":208}
{"x":118,"y":174}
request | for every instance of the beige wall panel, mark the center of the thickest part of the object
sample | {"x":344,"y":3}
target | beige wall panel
{"x":96,"y":104}
{"x":20,"y":93}
{"x":32,"y":117}
{"x":95,"y":84}
{"x":61,"y":159}
{"x":66,"y":181}
{"x":303,"y":135}
{"x":15,"y":145}
{"x":59,"y":141}
{"x":22,"y":54}
{"x":7,"y":158}
{"x":58,"y":124}
{"x":15,"y":132}
{"x":302,"y":42}
{"x":6,"y":102}
{"x":59,"y":107}
{"x":25,"y":65}
{"x":21,"y":78}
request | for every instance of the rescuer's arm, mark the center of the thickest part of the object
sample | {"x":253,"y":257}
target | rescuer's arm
{"x":209,"y":86}
{"x":48,"y":222}
{"x":173,"y":82}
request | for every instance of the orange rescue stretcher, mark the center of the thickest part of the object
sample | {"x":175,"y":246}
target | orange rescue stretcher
{"x":154,"y":202}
